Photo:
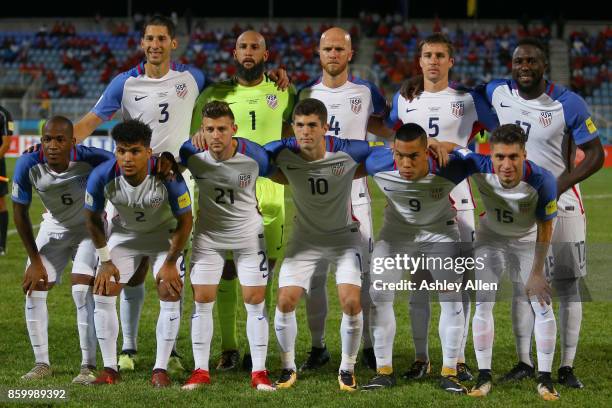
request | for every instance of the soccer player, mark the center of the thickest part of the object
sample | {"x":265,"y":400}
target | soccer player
{"x":262,"y":115}
{"x":6,"y":130}
{"x":320,"y":170}
{"x":58,"y":172}
{"x":354,"y":106}
{"x":556,"y":121}
{"x":226,"y":173}
{"x":152,"y":219}
{"x":449,"y":115}
{"x":513,"y":235}
{"x":419,"y":222}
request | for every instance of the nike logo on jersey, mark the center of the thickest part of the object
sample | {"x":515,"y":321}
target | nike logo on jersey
{"x":503,"y":106}
{"x":410,"y":110}
{"x":389,"y":189}
{"x":138,"y":98}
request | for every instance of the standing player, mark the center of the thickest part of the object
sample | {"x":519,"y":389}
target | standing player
{"x":6,"y":130}
{"x":556,"y":121}
{"x":58,"y":172}
{"x":226,"y":172}
{"x":419,"y":222}
{"x":354,"y":106}
{"x":448,"y":115}
{"x":153,"y":219}
{"x":320,"y":170}
{"x":520,"y":199}
{"x":262,"y":115}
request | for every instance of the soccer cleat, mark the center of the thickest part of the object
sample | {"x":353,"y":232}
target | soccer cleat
{"x":418,"y":370}
{"x":2,"y":251}
{"x":247,"y":363}
{"x":261,"y":382}
{"x":483,"y":385}
{"x":287,"y":379}
{"x":198,"y":379}
{"x":317,"y":358}
{"x":346,"y":380}
{"x":40,"y":370}
{"x":451,"y":383}
{"x":127,"y":360}
{"x":229,"y":360}
{"x":160,"y":378}
{"x":464,"y":373}
{"x":368,"y":358}
{"x":175,"y":366}
{"x":519,"y":372}
{"x":107,"y":376}
{"x":546,"y":389}
{"x":380,"y":381}
{"x":567,"y":378}
{"x":85,"y":377}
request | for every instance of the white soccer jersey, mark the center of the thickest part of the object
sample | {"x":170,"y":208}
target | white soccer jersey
{"x":150,"y":206}
{"x":451,"y":116}
{"x":165,"y":104}
{"x":349,"y":108}
{"x":321,"y":188}
{"x":555,"y":123}
{"x":228,"y":214}
{"x":63,"y":193}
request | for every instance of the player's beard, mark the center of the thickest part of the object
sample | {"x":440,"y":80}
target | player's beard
{"x":250,"y":74}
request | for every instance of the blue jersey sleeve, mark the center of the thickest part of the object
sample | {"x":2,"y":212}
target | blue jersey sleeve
{"x":93,"y":155}
{"x":357,"y":149}
{"x":380,"y":159}
{"x":472,"y":162}
{"x":393,"y":118}
{"x":22,"y":187}
{"x":546,"y":185}
{"x":110,"y":101}
{"x":96,"y":182}
{"x":578,"y":118}
{"x":259,"y":154}
{"x":275,"y":147}
{"x":459,"y":167}
{"x":379,"y":103}
{"x":198,"y":75}
{"x":178,"y":195}
{"x":486,"y":89}
{"x":186,"y":151}
{"x":485,"y":112}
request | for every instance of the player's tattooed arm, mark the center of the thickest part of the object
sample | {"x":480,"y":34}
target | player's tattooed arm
{"x":537,"y":284}
{"x":167,"y":167}
{"x":376,"y":126}
{"x":440,"y":150}
{"x":594,"y":157}
{"x":35,"y":277}
{"x":168,"y":275}
{"x":280,"y":77}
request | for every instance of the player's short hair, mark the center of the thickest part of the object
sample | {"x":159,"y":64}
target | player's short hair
{"x":311,"y":106}
{"x":411,"y":131}
{"x":159,"y":20}
{"x":509,"y":134}
{"x":61,"y":120}
{"x":533,"y":42}
{"x":132,"y":131}
{"x":217,"y":109}
{"x":438,"y":38}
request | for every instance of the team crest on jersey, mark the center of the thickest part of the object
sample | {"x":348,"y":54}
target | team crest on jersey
{"x":437,"y":193}
{"x":338,"y":169}
{"x":156,"y":201}
{"x":355,"y":104}
{"x":546,"y":118}
{"x":457,"y":108}
{"x":524,"y":206}
{"x":181,"y":90}
{"x":244,"y":179}
{"x":272,"y":101}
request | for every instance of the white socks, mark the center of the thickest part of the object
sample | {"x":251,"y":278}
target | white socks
{"x":37,"y":321}
{"x":83,"y":300}
{"x":285,"y":326}
{"x":483,"y":329}
{"x":316,"y":306}
{"x":107,"y":328}
{"x":467,"y":311}
{"x":167,"y":330}
{"x":351,"y":329}
{"x":451,"y":331}
{"x":383,"y":330}
{"x":522,"y":324}
{"x":545,"y":330}
{"x":570,"y":319}
{"x":420,"y":315}
{"x":201,"y":334}
{"x":130,"y":308}
{"x":257,"y":333}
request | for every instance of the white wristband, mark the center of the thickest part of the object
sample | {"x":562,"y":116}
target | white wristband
{"x":103,"y":254}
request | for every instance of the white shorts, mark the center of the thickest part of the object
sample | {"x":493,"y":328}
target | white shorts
{"x":302,"y":258}
{"x":568,"y":250}
{"x":191,"y":187}
{"x":251,"y":263}
{"x":465,"y":221}
{"x":128,"y":250}
{"x":57,"y":246}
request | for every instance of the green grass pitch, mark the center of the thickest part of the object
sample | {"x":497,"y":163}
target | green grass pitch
{"x":316,"y":389}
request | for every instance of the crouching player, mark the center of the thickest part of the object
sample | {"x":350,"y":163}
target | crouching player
{"x":58,"y":172}
{"x":228,"y":220}
{"x":152,"y":218}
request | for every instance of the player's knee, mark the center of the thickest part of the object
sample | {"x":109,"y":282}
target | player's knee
{"x":254,"y":296}
{"x":351,"y":305}
{"x":166,"y":295}
{"x":286,"y":302}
